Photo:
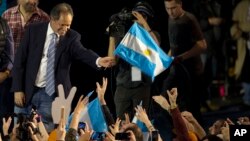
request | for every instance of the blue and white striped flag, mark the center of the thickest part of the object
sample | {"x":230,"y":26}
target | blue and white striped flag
{"x":139,"y":49}
{"x":142,"y":126}
{"x":92,"y":114}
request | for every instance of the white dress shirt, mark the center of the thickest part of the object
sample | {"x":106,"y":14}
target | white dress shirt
{"x":41,"y":75}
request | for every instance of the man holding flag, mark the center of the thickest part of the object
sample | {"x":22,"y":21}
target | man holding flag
{"x":132,"y":80}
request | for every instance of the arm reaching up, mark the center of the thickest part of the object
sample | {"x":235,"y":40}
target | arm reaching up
{"x":100,"y":90}
{"x":197,"y":127}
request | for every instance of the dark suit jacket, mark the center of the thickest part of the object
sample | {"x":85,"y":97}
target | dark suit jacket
{"x":29,"y":55}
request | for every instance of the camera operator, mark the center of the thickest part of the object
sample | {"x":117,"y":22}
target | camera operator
{"x":132,"y":86}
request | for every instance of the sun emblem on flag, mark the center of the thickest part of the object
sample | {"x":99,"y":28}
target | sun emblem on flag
{"x":147,"y":52}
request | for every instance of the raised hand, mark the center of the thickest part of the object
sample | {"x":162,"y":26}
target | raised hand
{"x":229,"y":121}
{"x":225,"y":132}
{"x":162,"y":101}
{"x":189,"y":116}
{"x":61,"y":101}
{"x":6,"y":125}
{"x":127,"y":119}
{"x":115,"y":128}
{"x":82,"y":102}
{"x":141,"y":114}
{"x":140,"y":19}
{"x":33,"y":135}
{"x":172,"y":94}
{"x":110,"y":136}
{"x":85,"y":134}
{"x":101,"y":89}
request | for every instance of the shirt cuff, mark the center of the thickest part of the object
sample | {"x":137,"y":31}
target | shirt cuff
{"x":97,"y":60}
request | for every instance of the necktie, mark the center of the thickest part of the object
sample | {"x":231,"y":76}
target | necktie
{"x":50,"y":76}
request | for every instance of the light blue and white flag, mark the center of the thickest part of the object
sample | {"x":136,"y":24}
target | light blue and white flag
{"x":93,"y":116}
{"x":142,"y":126}
{"x":139,"y":49}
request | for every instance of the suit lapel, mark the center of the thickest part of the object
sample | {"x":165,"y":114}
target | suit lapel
{"x":40,"y":42}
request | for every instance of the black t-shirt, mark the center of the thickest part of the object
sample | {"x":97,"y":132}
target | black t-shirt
{"x":184,"y":32}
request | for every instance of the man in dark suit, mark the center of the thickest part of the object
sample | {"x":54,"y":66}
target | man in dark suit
{"x":30,"y":66}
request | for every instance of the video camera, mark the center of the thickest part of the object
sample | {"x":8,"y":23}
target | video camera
{"x":125,"y":15}
{"x":122,"y":21}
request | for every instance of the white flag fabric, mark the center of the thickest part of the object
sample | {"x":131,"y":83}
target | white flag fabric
{"x":139,"y":49}
{"x":142,"y":126}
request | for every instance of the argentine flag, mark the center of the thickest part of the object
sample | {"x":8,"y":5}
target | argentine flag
{"x":93,"y":116}
{"x":139,"y":49}
{"x":142,"y":126}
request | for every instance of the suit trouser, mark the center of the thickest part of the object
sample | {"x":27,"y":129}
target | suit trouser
{"x":128,"y":98}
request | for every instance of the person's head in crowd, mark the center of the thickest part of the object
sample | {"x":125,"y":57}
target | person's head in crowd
{"x":134,"y":128}
{"x":28,"y":6}
{"x":61,"y":18}
{"x":174,"y":8}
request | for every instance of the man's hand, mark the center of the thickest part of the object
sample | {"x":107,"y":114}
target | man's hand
{"x":3,"y":76}
{"x":141,"y":20}
{"x":106,"y":61}
{"x":19,"y":99}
